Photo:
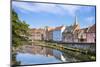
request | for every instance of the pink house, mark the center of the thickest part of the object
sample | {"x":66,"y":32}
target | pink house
{"x":91,"y":34}
{"x":82,"y":35}
{"x":70,"y":34}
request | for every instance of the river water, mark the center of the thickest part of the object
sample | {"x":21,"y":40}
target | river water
{"x":42,"y":55}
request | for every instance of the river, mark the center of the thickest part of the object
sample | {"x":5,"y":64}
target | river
{"x":42,"y":55}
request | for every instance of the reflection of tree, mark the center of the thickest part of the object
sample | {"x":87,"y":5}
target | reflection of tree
{"x":14,"y":61}
{"x":68,"y":57}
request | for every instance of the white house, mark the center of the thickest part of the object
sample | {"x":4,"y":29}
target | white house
{"x":57,"y":33}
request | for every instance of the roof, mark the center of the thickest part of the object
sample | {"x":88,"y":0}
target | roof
{"x":58,"y":28}
{"x":89,"y":29}
{"x":50,"y":28}
{"x":70,"y":28}
{"x":34,"y":30}
{"x":92,"y":28}
{"x":84,"y":30}
{"x":77,"y":31}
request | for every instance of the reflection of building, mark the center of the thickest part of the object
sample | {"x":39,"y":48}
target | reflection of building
{"x":37,"y":50}
{"x":48,"y":52}
{"x":57,"y":54}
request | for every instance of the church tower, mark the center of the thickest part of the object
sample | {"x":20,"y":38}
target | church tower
{"x":76,"y":25}
{"x":76,"y":21}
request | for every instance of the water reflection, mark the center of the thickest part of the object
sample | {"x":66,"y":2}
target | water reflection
{"x":27,"y":58}
{"x":41,"y":55}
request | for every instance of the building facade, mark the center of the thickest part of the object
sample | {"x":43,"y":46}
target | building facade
{"x":91,"y":34}
{"x":37,"y":34}
{"x":57,"y":33}
{"x":70,"y":33}
{"x":82,"y":35}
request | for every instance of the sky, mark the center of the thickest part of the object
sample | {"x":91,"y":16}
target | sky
{"x":38,"y":15}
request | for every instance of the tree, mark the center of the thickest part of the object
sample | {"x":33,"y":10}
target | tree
{"x":19,"y":31}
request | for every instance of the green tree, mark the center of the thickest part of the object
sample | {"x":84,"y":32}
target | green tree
{"x":20,"y":34}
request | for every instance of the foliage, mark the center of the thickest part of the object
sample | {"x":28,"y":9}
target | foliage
{"x":20,"y":30}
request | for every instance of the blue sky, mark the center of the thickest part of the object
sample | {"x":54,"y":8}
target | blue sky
{"x":43,"y":14}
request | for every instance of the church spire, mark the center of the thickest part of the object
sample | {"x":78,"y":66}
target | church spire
{"x":76,"y":21}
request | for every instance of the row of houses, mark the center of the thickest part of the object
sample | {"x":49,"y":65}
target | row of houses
{"x":69,"y":34}
{"x":37,"y":34}
{"x":80,"y":35}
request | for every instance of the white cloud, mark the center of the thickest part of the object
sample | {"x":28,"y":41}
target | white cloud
{"x":48,"y":8}
{"x":71,"y":9}
{"x":37,"y":7}
{"x":89,"y":21}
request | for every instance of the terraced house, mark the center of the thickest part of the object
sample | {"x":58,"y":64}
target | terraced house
{"x":48,"y":33}
{"x":57,"y":33}
{"x":37,"y":34}
{"x":75,"y":34}
{"x":88,"y":35}
{"x":68,"y":34}
{"x":91,"y":34}
{"x":82,"y":35}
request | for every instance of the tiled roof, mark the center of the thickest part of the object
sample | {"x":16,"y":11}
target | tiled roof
{"x":92,"y":28}
{"x":84,"y":30}
{"x":89,"y":29}
{"x":70,"y":28}
{"x":50,"y":28}
{"x":36,"y":30}
{"x":58,"y":28}
{"x":77,"y":31}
